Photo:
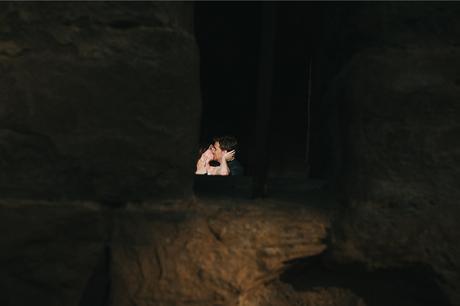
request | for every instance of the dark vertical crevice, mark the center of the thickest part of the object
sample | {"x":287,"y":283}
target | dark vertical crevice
{"x":308,"y":132}
{"x":261,"y":134}
{"x":97,"y":289}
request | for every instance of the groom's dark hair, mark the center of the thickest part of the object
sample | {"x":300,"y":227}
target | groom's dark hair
{"x":227,"y":143}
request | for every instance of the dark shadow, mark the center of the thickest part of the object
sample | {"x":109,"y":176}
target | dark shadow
{"x":97,"y":289}
{"x":413,"y":285}
{"x":223,"y":186}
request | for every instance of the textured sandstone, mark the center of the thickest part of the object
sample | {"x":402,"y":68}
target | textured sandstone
{"x":216,"y":258}
{"x":182,"y":253}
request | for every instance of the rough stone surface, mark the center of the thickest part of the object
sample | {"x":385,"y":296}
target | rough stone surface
{"x":331,"y":296}
{"x":281,"y":294}
{"x":49,"y":251}
{"x":178,"y":253}
{"x":275,"y":293}
{"x":100,"y":101}
{"x":220,"y":257}
{"x":90,"y":92}
{"x":398,"y":112}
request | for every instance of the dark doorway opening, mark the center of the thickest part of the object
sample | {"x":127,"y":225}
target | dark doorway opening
{"x":228,"y":39}
{"x":269,"y":116}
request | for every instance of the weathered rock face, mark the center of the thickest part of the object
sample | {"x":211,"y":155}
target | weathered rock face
{"x":216,"y":257}
{"x":397,"y":101}
{"x":281,"y":294}
{"x":49,"y":251}
{"x":98,"y":100}
{"x":181,"y":253}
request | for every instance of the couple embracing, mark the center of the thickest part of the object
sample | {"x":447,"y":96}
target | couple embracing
{"x":219,"y":158}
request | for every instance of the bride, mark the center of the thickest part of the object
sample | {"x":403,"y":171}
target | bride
{"x":213,"y":161}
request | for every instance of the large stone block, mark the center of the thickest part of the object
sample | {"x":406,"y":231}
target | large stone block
{"x":170,"y":253}
{"x":52,"y":253}
{"x":98,"y":100}
{"x":216,"y":256}
{"x":401,"y":160}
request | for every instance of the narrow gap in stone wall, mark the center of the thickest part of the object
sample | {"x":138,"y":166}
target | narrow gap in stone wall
{"x":273,"y":136}
{"x":97,"y":289}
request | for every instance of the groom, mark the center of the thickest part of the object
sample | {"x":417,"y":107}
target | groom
{"x":223,"y":149}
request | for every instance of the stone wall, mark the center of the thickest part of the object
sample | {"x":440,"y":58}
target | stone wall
{"x":398,"y":128}
{"x":182,"y":253}
{"x":97,"y":100}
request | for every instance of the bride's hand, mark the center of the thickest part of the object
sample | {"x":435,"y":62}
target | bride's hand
{"x":207,"y":156}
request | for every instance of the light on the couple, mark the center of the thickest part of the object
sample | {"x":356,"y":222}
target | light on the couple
{"x":219,"y":158}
